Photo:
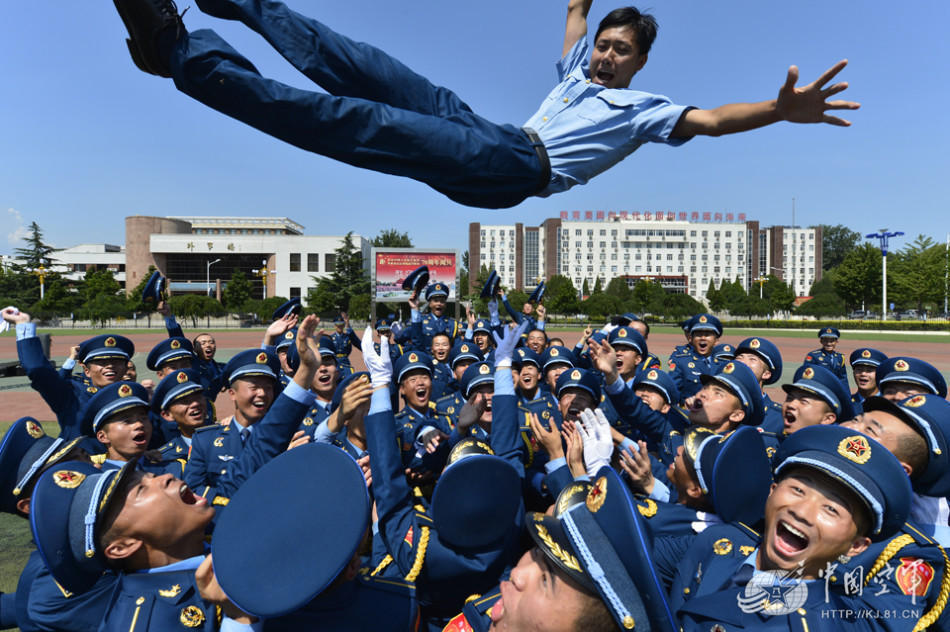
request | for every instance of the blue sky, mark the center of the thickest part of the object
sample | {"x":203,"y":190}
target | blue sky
{"x":87,"y":139}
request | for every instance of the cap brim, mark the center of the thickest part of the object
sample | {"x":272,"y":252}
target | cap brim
{"x":549,"y":536}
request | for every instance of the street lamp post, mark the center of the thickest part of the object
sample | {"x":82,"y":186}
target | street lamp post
{"x":208,"y":275}
{"x":882,"y":238}
{"x":41,"y":273}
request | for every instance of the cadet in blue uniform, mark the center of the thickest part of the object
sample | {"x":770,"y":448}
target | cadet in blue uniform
{"x":765,"y":360}
{"x":686,"y":368}
{"x":827,"y":357}
{"x":526,"y":368}
{"x":104,"y":360}
{"x":462,"y":355}
{"x":385,"y":330}
{"x":179,"y":400}
{"x":324,"y":384}
{"x":524,"y":315}
{"x":864,"y":363}
{"x":118,"y":416}
{"x":555,"y":360}
{"x":282,"y":348}
{"x":815,"y":396}
{"x":899,"y":378}
{"x":344,"y":426}
{"x":836,"y":491}
{"x":477,"y":386}
{"x":204,"y":345}
{"x":25,"y":453}
{"x":413,"y":376}
{"x":342,"y":340}
{"x":169,"y":355}
{"x":251,"y":378}
{"x":436,"y":321}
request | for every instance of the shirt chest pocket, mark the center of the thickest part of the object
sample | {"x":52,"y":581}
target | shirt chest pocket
{"x":607,"y":105}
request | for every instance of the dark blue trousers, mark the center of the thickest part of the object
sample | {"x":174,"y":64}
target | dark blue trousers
{"x":378,"y":115}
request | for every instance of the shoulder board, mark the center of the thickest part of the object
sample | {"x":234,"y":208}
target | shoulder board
{"x":395,"y":585}
{"x":445,"y":398}
{"x":918,"y":535}
{"x":747,"y":529}
{"x":431,"y":404}
{"x":210,"y":428}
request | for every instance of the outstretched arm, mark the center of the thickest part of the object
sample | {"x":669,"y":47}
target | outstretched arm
{"x":808,"y":104}
{"x":576,"y":28}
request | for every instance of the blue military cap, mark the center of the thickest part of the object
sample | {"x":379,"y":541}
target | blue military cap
{"x":929,"y":416}
{"x":866,"y":355}
{"x":628,"y":337}
{"x":287,"y":340}
{"x":475,"y":375}
{"x":108,"y":401}
{"x":661,"y":381}
{"x":26,"y":449}
{"x":724,"y":352}
{"x":437,"y":289}
{"x":821,"y":382}
{"x":176,"y":348}
{"x":410,"y":362}
{"x":687,"y":324}
{"x":464,"y":350}
{"x":603,"y":545}
{"x":537,"y":294}
{"x":292,"y":306}
{"x":384,"y":324}
{"x":741,"y":381}
{"x":459,"y":499}
{"x":262,"y":575}
{"x":578,"y":378}
{"x":175,"y":385}
{"x":556,"y":354}
{"x":66,"y":509}
{"x":735,"y":473}
{"x":705,"y":322}
{"x":106,"y":346}
{"x":416,"y":280}
{"x":525,"y":355}
{"x":572,"y":495}
{"x":859,"y":463}
{"x":339,"y":320}
{"x":250,"y":363}
{"x":325,"y":347}
{"x":154,"y":290}
{"x":490,"y":288}
{"x":829,"y":332}
{"x":766,"y":350}
{"x":338,"y":393}
{"x":913,"y":370}
{"x":482,"y":326}
{"x":626,"y":318}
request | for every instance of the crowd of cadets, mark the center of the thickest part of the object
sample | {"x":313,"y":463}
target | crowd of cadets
{"x":479,"y":475}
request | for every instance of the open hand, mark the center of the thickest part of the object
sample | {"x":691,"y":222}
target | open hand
{"x":809,"y":104}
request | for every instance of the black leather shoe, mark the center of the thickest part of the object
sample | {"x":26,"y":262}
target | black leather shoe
{"x":151,"y":23}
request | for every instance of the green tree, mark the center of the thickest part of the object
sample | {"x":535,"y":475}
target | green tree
{"x":36,"y":253}
{"x":733,"y":296}
{"x":598,"y":286}
{"x":599,"y":306}
{"x":778,"y":294}
{"x":59,"y":301}
{"x":837,"y":242}
{"x":561,"y":295}
{"x":195,"y":306}
{"x":236,"y":292}
{"x":681,"y":306}
{"x":463,"y":289}
{"x":825,"y":301}
{"x":917,"y":276}
{"x":392,"y":238}
{"x":858,"y":279}
{"x":714,"y":297}
{"x":648,"y":297}
{"x":98,"y":283}
{"x":347,"y":280}
{"x":585,"y":288}
{"x":619,"y":289}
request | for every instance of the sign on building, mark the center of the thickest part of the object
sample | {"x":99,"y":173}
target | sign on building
{"x":391,"y":266}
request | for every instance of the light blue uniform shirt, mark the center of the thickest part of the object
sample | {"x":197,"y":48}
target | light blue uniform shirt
{"x":586,"y":128}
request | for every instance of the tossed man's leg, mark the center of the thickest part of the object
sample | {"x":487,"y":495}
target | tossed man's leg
{"x":471,"y":160}
{"x":336,"y":63}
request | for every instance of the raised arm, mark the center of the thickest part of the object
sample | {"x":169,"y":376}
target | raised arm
{"x":808,"y":104}
{"x":576,"y":28}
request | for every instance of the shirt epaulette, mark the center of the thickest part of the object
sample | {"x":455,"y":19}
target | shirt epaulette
{"x":208,"y":428}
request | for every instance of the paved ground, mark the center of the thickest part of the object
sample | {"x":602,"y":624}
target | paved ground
{"x":22,"y":400}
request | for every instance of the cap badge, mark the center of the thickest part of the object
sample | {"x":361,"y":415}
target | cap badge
{"x":289,"y":335}
{"x":754,"y":344}
{"x":865,"y":354}
{"x":261,"y":358}
{"x":855,"y":449}
{"x":182,"y":377}
{"x":729,"y":368}
{"x":125,"y":390}
{"x":575,"y":374}
{"x":722,"y":546}
{"x":109,"y":342}
{"x":68,"y":479}
{"x":554,"y":353}
{"x":192,"y":617}
{"x":413,"y":357}
{"x":808,"y":373}
{"x":916,"y":402}
{"x":727,"y":348}
{"x":597,"y":495}
{"x":621,"y":333}
{"x":34,"y":430}
{"x":703,"y":319}
{"x":484,"y":369}
{"x":464,"y":349}
{"x":652,"y":375}
{"x":175,"y":344}
{"x":901,"y":365}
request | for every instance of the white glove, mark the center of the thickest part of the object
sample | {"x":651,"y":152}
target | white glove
{"x":13,"y":311}
{"x":493,"y":311}
{"x":606,"y":329}
{"x":505,"y":346}
{"x":598,"y":443}
{"x":379,"y":365}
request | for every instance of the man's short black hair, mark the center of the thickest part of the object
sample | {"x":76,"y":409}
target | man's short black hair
{"x":643,"y":25}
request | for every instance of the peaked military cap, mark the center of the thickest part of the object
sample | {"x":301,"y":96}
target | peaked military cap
{"x":288,"y":339}
{"x":475,"y":375}
{"x":26,"y":449}
{"x":105,"y":347}
{"x":735,"y":473}
{"x":705,"y":322}
{"x":482,"y":326}
{"x":250,"y":363}
{"x":741,"y":381}
{"x":437,"y":289}
{"x":384,"y":324}
{"x":490,"y":288}
{"x":464,"y":350}
{"x":416,"y":280}
{"x":821,"y":382}
{"x":579,"y":378}
{"x":525,"y":355}
{"x":866,"y":355}
{"x":108,"y":401}
{"x":766,"y":350}
{"x":410,"y":362}
{"x":168,"y":350}
{"x":537,"y":294}
{"x":723,"y":352}
{"x":174,"y":386}
{"x":628,"y":337}
{"x":661,"y":381}
{"x":154,"y":290}
{"x":349,"y":379}
{"x":293,"y":306}
{"x":829,"y":332}
{"x":913,"y":370}
{"x":556,"y":354}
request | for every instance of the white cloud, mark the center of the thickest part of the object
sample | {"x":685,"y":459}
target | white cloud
{"x":20,"y":231}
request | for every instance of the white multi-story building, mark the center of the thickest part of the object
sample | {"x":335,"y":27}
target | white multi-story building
{"x":681,"y":251}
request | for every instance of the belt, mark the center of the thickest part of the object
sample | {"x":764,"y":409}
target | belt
{"x":545,"y":177}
